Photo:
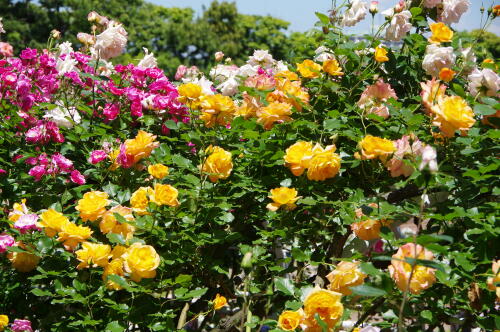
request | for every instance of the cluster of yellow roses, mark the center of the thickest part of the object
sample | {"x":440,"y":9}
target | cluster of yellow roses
{"x":321,"y":163}
{"x":161,"y":194}
{"x":220,"y":109}
{"x":326,"y":303}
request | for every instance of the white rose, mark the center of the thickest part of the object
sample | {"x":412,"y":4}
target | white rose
{"x":280,"y":66}
{"x":1,"y":26}
{"x":323,"y":53}
{"x":453,"y":10}
{"x":469,"y":59}
{"x":63,"y":116}
{"x":437,"y":58}
{"x":261,"y":58}
{"x":229,"y":87}
{"x":66,"y":65}
{"x":148,"y":61}
{"x":111,"y":42}
{"x":355,"y":13}
{"x":400,"y":25}
{"x":429,"y":158}
{"x":247,"y":70}
{"x":65,"y":48}
{"x":484,"y":82}
{"x":223,"y":72}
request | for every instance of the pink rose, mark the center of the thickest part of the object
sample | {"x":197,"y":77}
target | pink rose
{"x":21,"y":325}
{"x":5,"y":242}
{"x":97,"y":156}
{"x":6,"y":49}
{"x":77,"y":177}
{"x":26,"y":222}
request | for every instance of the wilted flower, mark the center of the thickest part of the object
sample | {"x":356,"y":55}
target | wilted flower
{"x":345,"y":275}
{"x":219,"y":302}
{"x":437,"y":58}
{"x":422,"y":278}
{"x":283,"y":196}
{"x":356,"y":12}
{"x":2,"y":30}
{"x":218,"y":165}
{"x":451,"y":114}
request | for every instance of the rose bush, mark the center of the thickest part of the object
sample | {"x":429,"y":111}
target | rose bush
{"x":355,"y":189}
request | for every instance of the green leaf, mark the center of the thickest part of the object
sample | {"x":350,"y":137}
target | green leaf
{"x":322,"y":17}
{"x":40,"y":292}
{"x":284,"y":285}
{"x":114,"y":326}
{"x":368,"y":268}
{"x":484,"y":109}
{"x":365,"y":290}
{"x":116,"y":238}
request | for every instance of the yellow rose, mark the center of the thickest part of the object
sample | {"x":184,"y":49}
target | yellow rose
{"x":381,"y":54}
{"x":218,"y":165}
{"x":324,"y":164}
{"x":332,"y":67}
{"x":290,"y":92}
{"x":23,"y":261}
{"x":114,"y":267}
{"x":446,"y":74}
{"x":164,"y":194}
{"x":440,"y":33}
{"x":4,"y":321}
{"x":375,"y":147}
{"x":93,"y":254}
{"x":217,"y":109}
{"x":93,"y":205}
{"x":141,"y":261}
{"x":72,"y":234}
{"x":367,"y":230}
{"x":18,"y":209}
{"x":109,"y":224}
{"x":190,"y":94}
{"x":451,"y":114}
{"x":219,"y":302}
{"x":324,"y":303}
{"x":118,"y":251}
{"x":308,"y":69}
{"x":492,"y":281}
{"x":290,"y":320}
{"x":52,"y":222}
{"x":346,"y":274}
{"x":283,"y":196}
{"x":141,"y":146}
{"x":274,"y":112}
{"x":284,"y":75}
{"x":158,"y":171}
{"x":423,"y":277}
{"x":139,"y":200}
{"x":431,"y":91}
{"x":297,"y":157}
{"x":249,"y":107}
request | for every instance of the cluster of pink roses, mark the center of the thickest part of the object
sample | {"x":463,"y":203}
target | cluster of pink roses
{"x":44,"y":165}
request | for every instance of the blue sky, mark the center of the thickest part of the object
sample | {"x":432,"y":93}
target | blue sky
{"x":300,"y":13}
